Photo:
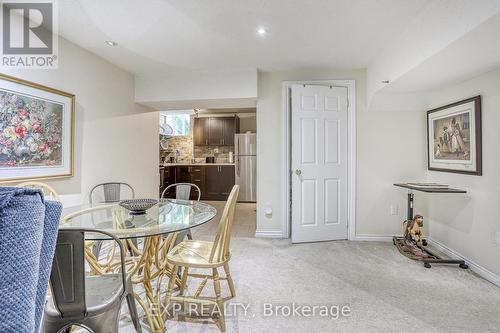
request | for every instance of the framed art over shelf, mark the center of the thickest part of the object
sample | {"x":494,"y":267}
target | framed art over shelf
{"x":454,"y":137}
{"x":36,"y":131}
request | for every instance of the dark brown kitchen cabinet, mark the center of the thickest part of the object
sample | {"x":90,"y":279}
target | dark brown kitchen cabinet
{"x":182,"y":174}
{"x":167,"y":177}
{"x":162,"y":179}
{"x":227,"y":180}
{"x":197,"y":176}
{"x":193,"y":175}
{"x":214,"y":181}
{"x":219,"y":180}
{"x":215,"y":131}
{"x":200,"y":131}
{"x":230,"y":126}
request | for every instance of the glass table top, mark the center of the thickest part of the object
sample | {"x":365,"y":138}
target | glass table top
{"x":167,"y":216}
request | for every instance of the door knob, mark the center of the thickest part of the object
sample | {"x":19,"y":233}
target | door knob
{"x":298,"y":172}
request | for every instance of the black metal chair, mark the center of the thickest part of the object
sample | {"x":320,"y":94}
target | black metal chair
{"x":91,"y":302}
{"x":183,"y":192}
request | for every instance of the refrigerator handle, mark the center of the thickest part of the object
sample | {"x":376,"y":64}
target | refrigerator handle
{"x":236,"y":145}
{"x":237,"y":153}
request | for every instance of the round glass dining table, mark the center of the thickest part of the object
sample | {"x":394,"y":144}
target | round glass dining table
{"x":146,"y":264}
{"x":167,"y":216}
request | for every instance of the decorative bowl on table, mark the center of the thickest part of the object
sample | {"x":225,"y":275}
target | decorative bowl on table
{"x":138,"y":206}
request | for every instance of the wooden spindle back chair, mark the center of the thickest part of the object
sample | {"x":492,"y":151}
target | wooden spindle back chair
{"x":221,"y":250}
{"x":206,"y":255}
{"x":48,"y":192}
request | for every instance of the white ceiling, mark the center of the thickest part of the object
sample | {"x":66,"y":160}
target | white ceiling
{"x":474,"y":53}
{"x":161,"y":36}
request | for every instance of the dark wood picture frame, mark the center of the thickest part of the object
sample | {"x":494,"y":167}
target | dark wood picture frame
{"x":477,"y":132}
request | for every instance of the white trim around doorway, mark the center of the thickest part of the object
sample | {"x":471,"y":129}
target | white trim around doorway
{"x":351,"y":144}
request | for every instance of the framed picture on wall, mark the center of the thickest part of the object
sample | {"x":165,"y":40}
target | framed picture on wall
{"x":36,"y":131}
{"x":454,"y":137}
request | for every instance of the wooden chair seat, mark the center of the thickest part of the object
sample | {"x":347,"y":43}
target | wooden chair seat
{"x":194,"y":253}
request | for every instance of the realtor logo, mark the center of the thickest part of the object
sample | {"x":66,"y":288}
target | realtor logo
{"x":29,"y":36}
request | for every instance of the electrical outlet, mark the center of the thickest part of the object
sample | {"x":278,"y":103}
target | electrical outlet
{"x":394,"y":210}
{"x":495,"y":237}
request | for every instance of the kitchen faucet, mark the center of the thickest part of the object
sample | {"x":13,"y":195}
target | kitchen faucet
{"x":177,"y":154}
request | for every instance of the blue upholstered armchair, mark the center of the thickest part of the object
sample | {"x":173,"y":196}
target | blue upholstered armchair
{"x":28,"y":233}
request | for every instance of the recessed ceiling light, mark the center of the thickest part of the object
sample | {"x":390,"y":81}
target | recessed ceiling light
{"x":261,"y":31}
{"x":111,"y":43}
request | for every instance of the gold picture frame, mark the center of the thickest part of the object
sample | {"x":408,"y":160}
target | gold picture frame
{"x":37,"y":125}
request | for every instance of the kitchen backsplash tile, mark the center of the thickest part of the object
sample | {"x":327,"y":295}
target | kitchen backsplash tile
{"x":202,"y":151}
{"x":187,"y":151}
{"x":182,"y":143}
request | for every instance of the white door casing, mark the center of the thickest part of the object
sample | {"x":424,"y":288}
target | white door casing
{"x":319,"y":163}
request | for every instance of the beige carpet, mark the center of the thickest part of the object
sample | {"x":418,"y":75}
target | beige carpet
{"x":385,"y":291}
{"x":244,"y":224}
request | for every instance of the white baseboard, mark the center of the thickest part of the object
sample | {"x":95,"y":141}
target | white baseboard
{"x":478,"y":269}
{"x":269,"y":234}
{"x":373,"y":238}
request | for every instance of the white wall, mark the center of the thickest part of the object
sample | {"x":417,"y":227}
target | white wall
{"x":389,"y":148}
{"x":468,"y":223}
{"x":115,"y":140}
{"x":198,"y":89}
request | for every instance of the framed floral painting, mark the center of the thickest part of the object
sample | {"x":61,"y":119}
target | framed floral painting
{"x":454,"y":137}
{"x":36,"y":131}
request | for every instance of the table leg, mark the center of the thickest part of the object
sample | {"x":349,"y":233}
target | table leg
{"x":150,"y":271}
{"x":411,"y":201}
{"x":147,"y":268}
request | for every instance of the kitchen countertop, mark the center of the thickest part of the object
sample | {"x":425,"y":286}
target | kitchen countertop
{"x":195,"y":164}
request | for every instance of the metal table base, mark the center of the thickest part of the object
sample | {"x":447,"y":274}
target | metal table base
{"x":437,"y":259}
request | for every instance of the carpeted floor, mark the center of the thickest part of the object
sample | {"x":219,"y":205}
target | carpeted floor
{"x":384,"y":291}
{"x":379,"y":289}
{"x":244,"y":224}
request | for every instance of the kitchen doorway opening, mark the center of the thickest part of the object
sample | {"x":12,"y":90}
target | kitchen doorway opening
{"x":213,"y":149}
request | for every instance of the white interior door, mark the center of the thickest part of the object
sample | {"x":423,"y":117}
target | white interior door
{"x":319,"y":163}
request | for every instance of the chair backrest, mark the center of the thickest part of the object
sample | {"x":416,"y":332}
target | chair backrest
{"x":48,"y":191}
{"x":182,"y":190}
{"x":221,"y":250}
{"x":111,"y":192}
{"x":67,"y":279}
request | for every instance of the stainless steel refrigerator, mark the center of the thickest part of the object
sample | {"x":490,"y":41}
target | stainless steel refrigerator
{"x":245,"y":158}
